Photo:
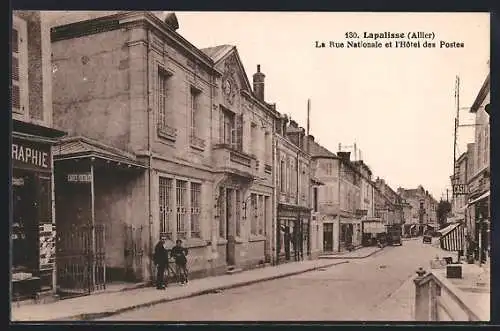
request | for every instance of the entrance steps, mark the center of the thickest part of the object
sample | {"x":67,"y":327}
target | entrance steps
{"x":233,"y":270}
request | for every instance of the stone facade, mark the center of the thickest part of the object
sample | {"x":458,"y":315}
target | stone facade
{"x":294,"y":227}
{"x":190,"y":117}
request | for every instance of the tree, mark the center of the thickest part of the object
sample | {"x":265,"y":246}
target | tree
{"x":443,"y":208}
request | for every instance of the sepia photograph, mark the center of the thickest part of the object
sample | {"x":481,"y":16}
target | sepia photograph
{"x":183,"y":166}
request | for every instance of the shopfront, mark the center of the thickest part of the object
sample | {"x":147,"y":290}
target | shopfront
{"x":32,"y":225}
{"x":350,"y":233}
{"x":293,"y":228}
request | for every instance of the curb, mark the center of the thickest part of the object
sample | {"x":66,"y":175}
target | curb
{"x":341,"y":257}
{"x":94,"y":316}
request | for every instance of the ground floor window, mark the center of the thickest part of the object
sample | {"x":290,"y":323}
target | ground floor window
{"x":180,"y":209}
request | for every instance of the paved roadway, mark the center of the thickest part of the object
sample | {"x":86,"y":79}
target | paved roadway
{"x":353,"y":291}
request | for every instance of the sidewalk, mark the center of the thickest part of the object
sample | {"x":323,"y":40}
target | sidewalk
{"x":399,"y":306}
{"x":474,"y":286}
{"x":97,"y":306}
{"x":359,"y":253}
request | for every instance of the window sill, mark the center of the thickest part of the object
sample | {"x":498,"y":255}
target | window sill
{"x":197,"y":143}
{"x":221,"y":241}
{"x":167,"y":132}
{"x":256,"y":237}
{"x":194,"y":242}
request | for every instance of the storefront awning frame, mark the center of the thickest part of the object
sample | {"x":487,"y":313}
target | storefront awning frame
{"x":481,"y":197}
{"x":453,"y":237}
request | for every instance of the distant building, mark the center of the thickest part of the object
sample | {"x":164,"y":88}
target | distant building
{"x":423,"y":207}
{"x":323,"y":167}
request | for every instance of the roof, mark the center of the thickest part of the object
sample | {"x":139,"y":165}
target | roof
{"x":217,"y":52}
{"x":481,"y":95}
{"x":83,"y":147}
{"x":318,"y":151}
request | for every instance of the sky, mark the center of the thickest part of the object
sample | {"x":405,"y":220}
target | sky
{"x":396,"y":104}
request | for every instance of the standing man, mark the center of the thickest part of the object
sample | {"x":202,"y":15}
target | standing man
{"x":160,"y":259}
{"x":179,"y":254}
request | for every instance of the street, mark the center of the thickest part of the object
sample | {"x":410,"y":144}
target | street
{"x":357,"y":290}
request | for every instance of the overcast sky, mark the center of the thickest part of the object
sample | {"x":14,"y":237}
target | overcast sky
{"x":396,"y":104}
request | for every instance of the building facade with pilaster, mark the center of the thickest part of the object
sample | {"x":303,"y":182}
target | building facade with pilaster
{"x":478,"y":204}
{"x":176,"y":142}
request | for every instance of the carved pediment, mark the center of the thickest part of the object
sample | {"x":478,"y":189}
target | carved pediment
{"x":233,"y":77}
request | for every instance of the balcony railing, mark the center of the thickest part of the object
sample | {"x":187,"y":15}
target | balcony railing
{"x":197,"y":143}
{"x":167,"y":132}
{"x":240,"y":158}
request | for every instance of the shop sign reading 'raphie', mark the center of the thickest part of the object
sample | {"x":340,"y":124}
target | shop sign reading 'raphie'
{"x":31,"y":155}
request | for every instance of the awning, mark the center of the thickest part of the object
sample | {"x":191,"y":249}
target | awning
{"x":446,"y":230}
{"x":453,"y":237}
{"x":481,"y":197}
{"x":82,"y":147}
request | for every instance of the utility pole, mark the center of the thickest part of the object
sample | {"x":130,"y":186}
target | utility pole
{"x":308,"y":116}
{"x":457,"y":98}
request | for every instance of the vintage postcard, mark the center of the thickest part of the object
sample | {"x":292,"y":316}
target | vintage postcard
{"x":177,"y":166}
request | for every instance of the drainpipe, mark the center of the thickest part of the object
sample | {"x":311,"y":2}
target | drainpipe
{"x":150,"y":155}
{"x":339,"y":164}
{"x":274,"y":251}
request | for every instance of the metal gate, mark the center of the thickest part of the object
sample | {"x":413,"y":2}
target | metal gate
{"x":81,"y":259}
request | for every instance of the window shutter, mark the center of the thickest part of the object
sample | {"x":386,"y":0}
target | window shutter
{"x":15,"y":69}
{"x":222,"y":124}
{"x":239,"y":132}
{"x":16,"y":97}
{"x":15,"y":41}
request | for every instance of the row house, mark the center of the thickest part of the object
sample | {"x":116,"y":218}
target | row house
{"x":165,"y":138}
{"x":461,"y":176}
{"x":478,"y":209}
{"x":33,"y":230}
{"x":389,"y":205}
{"x":325,"y":197}
{"x":293,"y":220}
{"x":345,"y":199}
{"x":423,"y":208}
{"x":367,"y":207}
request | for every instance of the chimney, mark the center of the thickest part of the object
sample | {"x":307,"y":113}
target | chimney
{"x":258,"y":84}
{"x":344,"y":155}
{"x":284,"y":123}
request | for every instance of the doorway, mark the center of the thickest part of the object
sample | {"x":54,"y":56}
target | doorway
{"x":328,"y":237}
{"x":231,"y":240}
{"x":24,"y":224}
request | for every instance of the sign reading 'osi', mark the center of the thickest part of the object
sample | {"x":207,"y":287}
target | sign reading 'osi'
{"x":460,"y":189}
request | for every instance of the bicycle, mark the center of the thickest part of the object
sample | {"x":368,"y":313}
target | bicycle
{"x":174,"y":272}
